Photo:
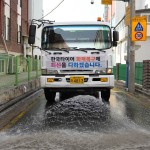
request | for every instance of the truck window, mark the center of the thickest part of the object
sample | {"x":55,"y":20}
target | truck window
{"x":91,"y":36}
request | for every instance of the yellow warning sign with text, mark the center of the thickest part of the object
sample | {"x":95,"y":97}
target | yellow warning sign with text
{"x":139,"y":28}
{"x":106,"y":2}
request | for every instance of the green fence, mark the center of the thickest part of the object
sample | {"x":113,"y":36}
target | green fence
{"x":138,"y":72}
{"x":15,"y":70}
{"x":122,"y":72}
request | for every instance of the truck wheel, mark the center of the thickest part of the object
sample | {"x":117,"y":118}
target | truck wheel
{"x":105,"y":95}
{"x":49,"y":95}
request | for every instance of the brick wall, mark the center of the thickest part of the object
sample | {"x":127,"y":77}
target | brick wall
{"x":12,"y":44}
{"x":1,"y":19}
{"x":24,"y":13}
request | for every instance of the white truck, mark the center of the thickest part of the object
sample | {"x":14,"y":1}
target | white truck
{"x":76,"y":57}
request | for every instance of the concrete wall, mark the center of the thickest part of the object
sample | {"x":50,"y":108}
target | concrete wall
{"x":12,"y":93}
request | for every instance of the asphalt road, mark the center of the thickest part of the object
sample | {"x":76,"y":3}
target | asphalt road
{"x":82,"y":123}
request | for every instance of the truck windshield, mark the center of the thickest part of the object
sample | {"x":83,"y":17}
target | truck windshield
{"x":76,"y":36}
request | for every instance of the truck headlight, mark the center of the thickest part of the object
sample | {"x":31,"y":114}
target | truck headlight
{"x":45,"y":71}
{"x":52,"y":72}
{"x":109,"y":70}
{"x":104,"y":71}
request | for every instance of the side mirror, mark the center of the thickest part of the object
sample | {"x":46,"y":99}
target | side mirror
{"x":115,"y":36}
{"x":32,"y":33}
{"x":114,"y":44}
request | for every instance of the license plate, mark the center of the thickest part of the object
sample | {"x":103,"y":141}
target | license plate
{"x":77,"y":80}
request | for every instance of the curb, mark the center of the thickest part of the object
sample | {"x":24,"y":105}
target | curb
{"x":138,"y":88}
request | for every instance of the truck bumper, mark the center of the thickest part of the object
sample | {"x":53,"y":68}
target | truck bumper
{"x":90,"y":82}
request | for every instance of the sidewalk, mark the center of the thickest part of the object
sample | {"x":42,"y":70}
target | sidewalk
{"x":9,"y":90}
{"x":9,"y":80}
{"x":138,"y":88}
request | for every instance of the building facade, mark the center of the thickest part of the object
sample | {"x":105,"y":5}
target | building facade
{"x":14,"y":26}
{"x":36,"y":12}
{"x":15,"y":18}
{"x":13,"y":32}
{"x":142,"y":8}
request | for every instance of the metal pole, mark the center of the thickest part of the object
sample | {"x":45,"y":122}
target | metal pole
{"x":29,"y":63}
{"x":131,"y":52}
{"x":36,"y":68}
{"x":16,"y":74}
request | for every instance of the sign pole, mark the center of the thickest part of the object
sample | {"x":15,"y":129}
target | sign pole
{"x":131,"y":52}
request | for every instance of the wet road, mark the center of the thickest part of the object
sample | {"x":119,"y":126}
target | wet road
{"x":83,"y":122}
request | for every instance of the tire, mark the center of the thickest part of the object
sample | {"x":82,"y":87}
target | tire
{"x":49,"y":95}
{"x":105,"y":95}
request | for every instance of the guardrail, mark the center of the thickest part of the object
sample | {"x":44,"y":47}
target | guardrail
{"x":15,"y":70}
{"x":121,"y":74}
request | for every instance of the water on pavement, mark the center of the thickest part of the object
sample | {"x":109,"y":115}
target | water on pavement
{"x":82,"y":122}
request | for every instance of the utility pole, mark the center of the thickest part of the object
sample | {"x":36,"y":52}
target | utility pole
{"x":131,"y":52}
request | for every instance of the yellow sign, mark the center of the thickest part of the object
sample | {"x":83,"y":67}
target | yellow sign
{"x":139,"y":28}
{"x":106,"y":2}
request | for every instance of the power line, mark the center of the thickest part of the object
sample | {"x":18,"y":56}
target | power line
{"x":52,"y":10}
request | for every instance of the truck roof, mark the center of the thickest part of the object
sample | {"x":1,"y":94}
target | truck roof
{"x":79,"y":23}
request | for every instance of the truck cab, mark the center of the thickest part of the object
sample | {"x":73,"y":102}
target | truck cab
{"x":77,"y":57}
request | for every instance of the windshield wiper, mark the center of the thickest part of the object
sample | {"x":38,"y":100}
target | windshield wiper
{"x":102,"y":50}
{"x":76,"y":48}
{"x":58,"y":49}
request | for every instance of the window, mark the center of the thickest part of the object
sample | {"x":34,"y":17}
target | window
{"x":19,"y":35}
{"x":7,"y":28}
{"x":20,"y":3}
{"x":2,"y":66}
{"x":79,"y":36}
{"x":148,"y":17}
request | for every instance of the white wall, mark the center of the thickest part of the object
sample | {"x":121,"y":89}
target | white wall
{"x":120,"y":52}
{"x":144,"y":52}
{"x":147,"y":2}
{"x":36,"y":12}
{"x":139,"y":4}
